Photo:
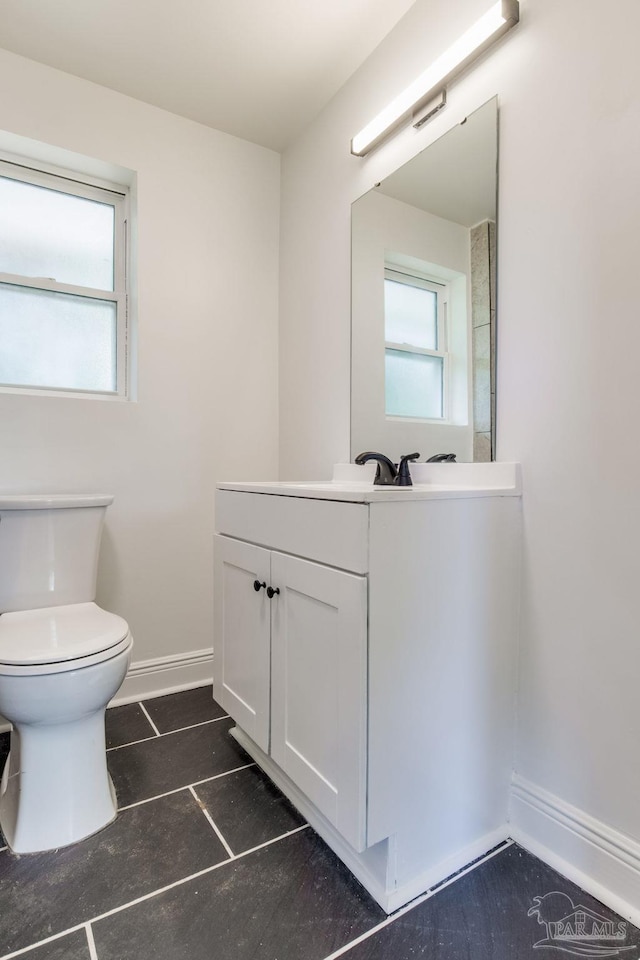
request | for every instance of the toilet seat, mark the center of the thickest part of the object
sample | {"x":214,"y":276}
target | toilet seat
{"x":57,"y":639}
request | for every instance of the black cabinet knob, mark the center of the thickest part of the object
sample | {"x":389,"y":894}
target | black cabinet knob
{"x":271,"y":592}
{"x":257,"y":586}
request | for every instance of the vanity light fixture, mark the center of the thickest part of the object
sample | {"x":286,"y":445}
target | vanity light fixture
{"x":432,"y":83}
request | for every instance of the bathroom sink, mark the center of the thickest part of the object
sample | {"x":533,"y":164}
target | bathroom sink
{"x":430,"y":481}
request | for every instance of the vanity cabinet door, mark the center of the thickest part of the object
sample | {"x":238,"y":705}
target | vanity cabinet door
{"x":242,"y":641}
{"x":319,"y":672}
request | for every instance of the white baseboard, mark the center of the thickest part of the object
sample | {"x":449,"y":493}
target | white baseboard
{"x":600,"y":859}
{"x":154,"y":678}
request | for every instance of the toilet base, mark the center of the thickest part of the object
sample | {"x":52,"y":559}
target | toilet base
{"x":55,"y":787}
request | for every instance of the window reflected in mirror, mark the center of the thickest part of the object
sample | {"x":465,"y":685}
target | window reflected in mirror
{"x":415,"y":346}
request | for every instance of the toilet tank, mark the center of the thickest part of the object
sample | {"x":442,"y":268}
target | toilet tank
{"x":49,"y":549}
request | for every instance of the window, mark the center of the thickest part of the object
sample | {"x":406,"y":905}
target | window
{"x":416,"y":359}
{"x":63,"y":276}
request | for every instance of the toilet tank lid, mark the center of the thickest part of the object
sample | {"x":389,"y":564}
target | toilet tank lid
{"x":52,"y":501}
{"x":56,"y":634}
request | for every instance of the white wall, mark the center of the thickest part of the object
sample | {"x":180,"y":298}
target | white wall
{"x":568,"y":348}
{"x":206,"y":406}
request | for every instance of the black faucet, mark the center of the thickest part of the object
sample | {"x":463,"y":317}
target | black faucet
{"x":442,"y":458}
{"x":388,"y":474}
{"x":387,"y":471}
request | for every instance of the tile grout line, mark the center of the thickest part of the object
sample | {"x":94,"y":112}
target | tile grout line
{"x":192,"y":726}
{"x":93,"y":953}
{"x":185,"y":786}
{"x":212,"y":823}
{"x":168,"y":733}
{"x":414,"y":903}
{"x":148,"y":896}
{"x":42,"y":943}
{"x":193,"y":876}
{"x":153,"y":726}
{"x":131,"y":743}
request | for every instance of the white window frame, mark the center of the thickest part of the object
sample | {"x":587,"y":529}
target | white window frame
{"x":441,"y":289}
{"x":116,"y":195}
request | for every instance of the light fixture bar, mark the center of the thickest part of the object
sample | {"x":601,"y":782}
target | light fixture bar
{"x":496,"y":21}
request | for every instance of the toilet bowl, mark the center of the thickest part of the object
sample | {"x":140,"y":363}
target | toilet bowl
{"x":62,"y":658}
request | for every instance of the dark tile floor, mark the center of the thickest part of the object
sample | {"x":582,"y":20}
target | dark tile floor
{"x":208,"y":861}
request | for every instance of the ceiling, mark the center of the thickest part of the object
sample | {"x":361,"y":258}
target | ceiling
{"x":258,"y":69}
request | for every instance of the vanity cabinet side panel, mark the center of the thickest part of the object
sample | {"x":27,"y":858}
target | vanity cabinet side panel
{"x":444,"y":578}
{"x":242,"y":646}
{"x":319,"y":688}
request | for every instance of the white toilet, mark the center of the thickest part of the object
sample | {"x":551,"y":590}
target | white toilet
{"x":62,"y":658}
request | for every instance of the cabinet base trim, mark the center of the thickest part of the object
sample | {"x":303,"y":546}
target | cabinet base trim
{"x":601,"y":860}
{"x":444,"y":869}
{"x":382,"y":890}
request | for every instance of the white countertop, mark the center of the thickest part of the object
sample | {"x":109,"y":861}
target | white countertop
{"x":431,"y":481}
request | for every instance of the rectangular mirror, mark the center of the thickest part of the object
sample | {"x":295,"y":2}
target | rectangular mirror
{"x":423,"y":300}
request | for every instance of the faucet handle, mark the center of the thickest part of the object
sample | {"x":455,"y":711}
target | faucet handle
{"x":404,"y":476}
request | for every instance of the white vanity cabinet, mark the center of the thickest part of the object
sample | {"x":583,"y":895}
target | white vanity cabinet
{"x":291,"y":670}
{"x":377,"y":687}
{"x":243,"y":636}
